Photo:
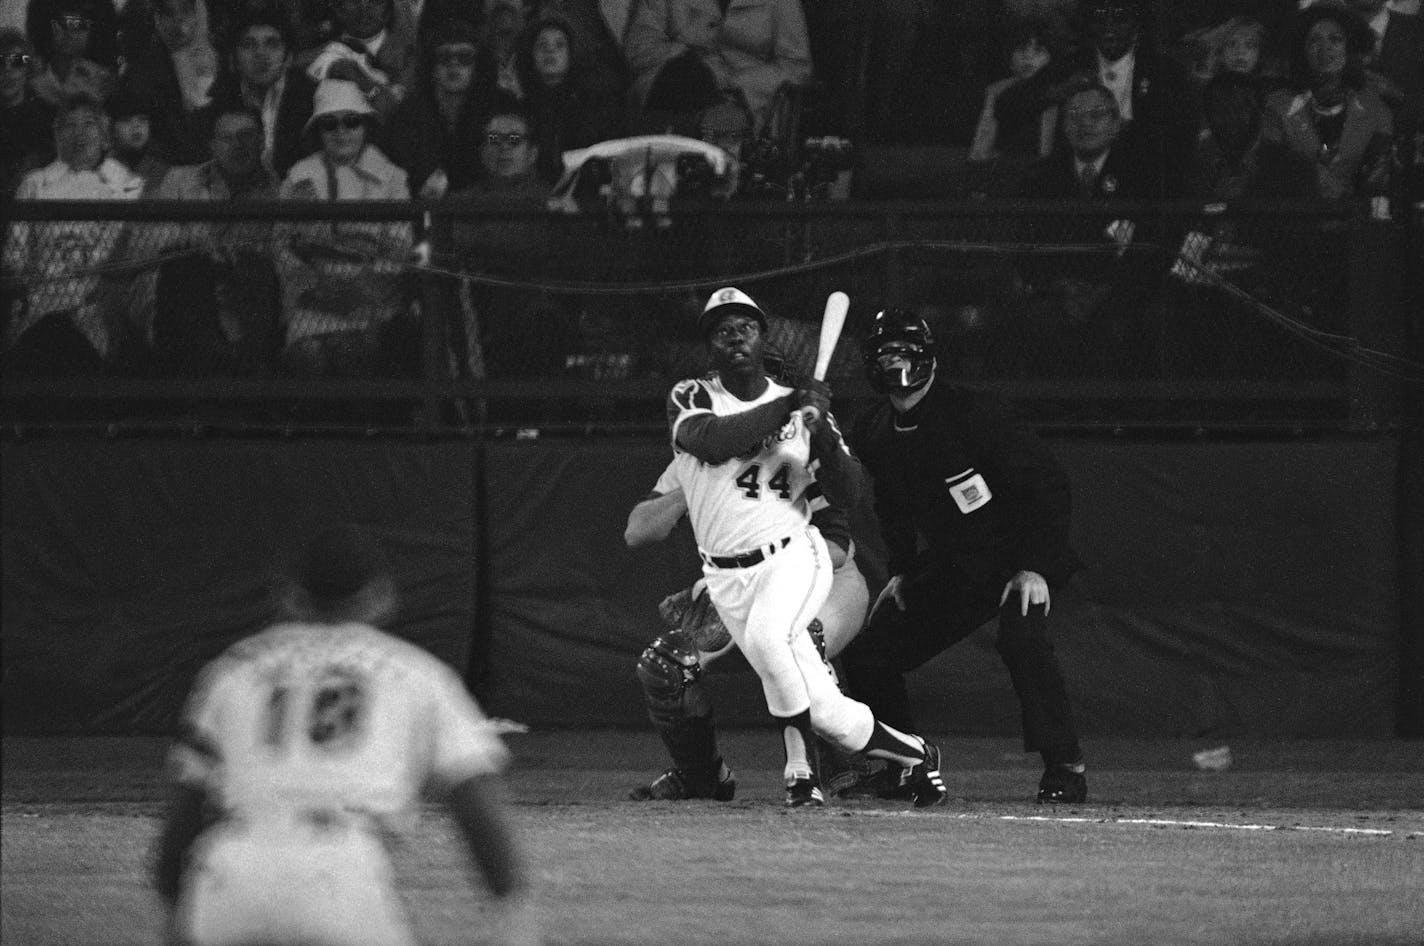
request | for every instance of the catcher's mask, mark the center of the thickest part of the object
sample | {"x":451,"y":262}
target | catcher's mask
{"x":898,"y":352}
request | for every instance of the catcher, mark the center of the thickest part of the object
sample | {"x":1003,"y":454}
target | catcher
{"x":671,"y":666}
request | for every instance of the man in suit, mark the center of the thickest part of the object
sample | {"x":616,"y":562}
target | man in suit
{"x":1156,"y":104}
{"x":1399,"y":48}
{"x":262,"y":78}
{"x":1086,"y":309}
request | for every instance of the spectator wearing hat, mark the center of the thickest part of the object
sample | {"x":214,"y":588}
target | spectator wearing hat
{"x":441,"y":123}
{"x":133,"y":137}
{"x":77,"y":45}
{"x":374,"y":44}
{"x":342,"y":283}
{"x":174,"y":75}
{"x":1329,"y":116}
{"x":28,"y":142}
{"x":568,"y":111}
{"x":259,"y":75}
{"x":62,"y":322}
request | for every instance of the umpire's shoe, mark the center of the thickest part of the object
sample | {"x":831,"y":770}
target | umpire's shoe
{"x":1061,"y":785}
{"x":923,"y":782}
{"x":673,"y":785}
{"x":804,"y":793}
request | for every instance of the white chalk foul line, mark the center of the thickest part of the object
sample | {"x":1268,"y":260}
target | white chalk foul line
{"x":1169,"y":823}
{"x":1155,"y":822}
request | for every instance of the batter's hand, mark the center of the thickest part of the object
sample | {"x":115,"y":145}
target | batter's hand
{"x":813,"y":393}
{"x":1032,"y":589}
{"x":894,"y":590}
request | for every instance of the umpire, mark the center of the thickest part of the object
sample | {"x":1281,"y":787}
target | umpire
{"x":975,"y":513}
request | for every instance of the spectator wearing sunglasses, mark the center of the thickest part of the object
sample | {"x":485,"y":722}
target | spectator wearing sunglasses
{"x":342,"y":283}
{"x":77,"y":44}
{"x":28,"y":142}
{"x":441,"y":125}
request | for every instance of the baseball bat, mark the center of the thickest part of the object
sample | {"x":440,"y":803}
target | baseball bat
{"x":832,"y":321}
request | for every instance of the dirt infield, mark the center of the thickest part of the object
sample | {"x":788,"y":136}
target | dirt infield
{"x":1297,"y":842}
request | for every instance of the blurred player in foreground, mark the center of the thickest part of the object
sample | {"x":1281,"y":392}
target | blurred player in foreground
{"x":671,"y":667}
{"x":301,"y":746}
{"x":749,"y":465}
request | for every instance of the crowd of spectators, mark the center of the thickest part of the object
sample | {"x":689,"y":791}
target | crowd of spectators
{"x":321,"y":100}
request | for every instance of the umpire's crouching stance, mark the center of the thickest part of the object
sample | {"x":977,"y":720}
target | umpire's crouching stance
{"x":975,"y":511}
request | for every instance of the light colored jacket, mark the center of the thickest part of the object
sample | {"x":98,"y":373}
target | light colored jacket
{"x":756,"y":46}
{"x":1362,"y":153}
{"x":57,"y":260}
{"x":342,"y":276}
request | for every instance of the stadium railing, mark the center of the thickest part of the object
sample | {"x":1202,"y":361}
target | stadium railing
{"x":506,"y":316}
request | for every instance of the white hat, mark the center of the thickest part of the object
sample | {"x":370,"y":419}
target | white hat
{"x":728,"y":298}
{"x":334,"y":96}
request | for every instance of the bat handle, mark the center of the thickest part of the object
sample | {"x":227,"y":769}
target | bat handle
{"x":810,"y":415}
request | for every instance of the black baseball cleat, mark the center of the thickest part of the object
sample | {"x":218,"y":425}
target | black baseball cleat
{"x":923,"y":782}
{"x":804,"y":793}
{"x":1060,"y":786}
{"x":673,"y":785}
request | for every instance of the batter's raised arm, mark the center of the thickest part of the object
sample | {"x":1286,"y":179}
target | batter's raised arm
{"x":715,"y":440}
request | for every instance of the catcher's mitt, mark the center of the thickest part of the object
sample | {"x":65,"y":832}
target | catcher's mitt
{"x":691,"y":611}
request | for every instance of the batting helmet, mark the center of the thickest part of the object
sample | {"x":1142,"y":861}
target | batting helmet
{"x":898,"y":332}
{"x":722,"y":303}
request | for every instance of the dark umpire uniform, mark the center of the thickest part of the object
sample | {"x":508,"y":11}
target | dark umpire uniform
{"x":968,"y":498}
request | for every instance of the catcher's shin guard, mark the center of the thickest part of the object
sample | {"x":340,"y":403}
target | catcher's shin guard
{"x":680,"y":710}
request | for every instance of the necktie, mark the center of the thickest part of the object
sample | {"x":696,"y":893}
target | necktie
{"x":1087,"y":181}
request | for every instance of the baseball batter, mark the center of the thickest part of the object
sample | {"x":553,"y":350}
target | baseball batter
{"x":300,"y":747}
{"x":670,"y":668}
{"x":749,"y":466}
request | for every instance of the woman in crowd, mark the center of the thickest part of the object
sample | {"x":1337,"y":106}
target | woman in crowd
{"x":567,"y":113}
{"x":437,"y":132}
{"x":343,"y":286}
{"x":1031,"y":45}
{"x":1329,"y":116}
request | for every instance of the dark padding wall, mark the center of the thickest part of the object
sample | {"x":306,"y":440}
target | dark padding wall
{"x":128,"y":564}
{"x":1233,"y":588}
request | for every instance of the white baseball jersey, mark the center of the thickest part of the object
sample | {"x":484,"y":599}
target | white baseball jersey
{"x":307,"y":739}
{"x":342,"y":717}
{"x":749,"y":501}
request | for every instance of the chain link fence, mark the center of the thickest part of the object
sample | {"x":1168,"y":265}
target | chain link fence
{"x":487,"y":315}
